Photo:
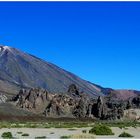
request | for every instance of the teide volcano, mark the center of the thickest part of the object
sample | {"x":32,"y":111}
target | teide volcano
{"x":36,"y":87}
{"x":21,"y":70}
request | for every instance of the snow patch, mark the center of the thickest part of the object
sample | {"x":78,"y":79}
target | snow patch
{"x":3,"y":98}
{"x":7,"y":48}
{"x":1,"y":50}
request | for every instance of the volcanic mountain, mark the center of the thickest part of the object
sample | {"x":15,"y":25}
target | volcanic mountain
{"x":22,"y":70}
{"x":30,"y":86}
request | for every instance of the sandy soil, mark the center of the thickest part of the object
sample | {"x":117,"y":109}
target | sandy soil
{"x":36,"y":132}
{"x":56,"y":133}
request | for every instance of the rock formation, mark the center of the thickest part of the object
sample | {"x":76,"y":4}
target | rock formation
{"x":76,"y":104}
{"x":33,"y":100}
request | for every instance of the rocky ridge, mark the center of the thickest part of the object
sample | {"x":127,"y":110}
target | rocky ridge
{"x":75,"y":104}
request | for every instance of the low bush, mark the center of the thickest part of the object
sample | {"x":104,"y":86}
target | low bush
{"x":25,"y":135}
{"x":19,"y":132}
{"x":126,"y":128}
{"x":7,"y":135}
{"x":101,"y":130}
{"x":41,"y":137}
{"x":52,"y":133}
{"x":71,"y":129}
{"x":125,"y":135}
{"x":65,"y":137}
{"x":84,"y":131}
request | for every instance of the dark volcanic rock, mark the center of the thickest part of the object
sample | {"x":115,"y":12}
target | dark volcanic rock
{"x":73,"y":89}
{"x":135,"y":102}
{"x":53,"y":105}
{"x":80,"y":109}
{"x":33,"y":100}
{"x":60,"y":106}
{"x":74,"y":104}
{"x":101,"y":108}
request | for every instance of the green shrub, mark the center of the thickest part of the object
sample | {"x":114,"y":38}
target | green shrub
{"x":126,"y":135}
{"x":134,"y":126}
{"x":25,"y":135}
{"x":41,"y":137}
{"x":7,"y":135}
{"x":84,"y":131}
{"x":101,"y":130}
{"x":120,"y":127}
{"x":126,"y":128}
{"x":52,"y":133}
{"x":19,"y":132}
{"x":65,"y":137}
{"x":71,"y":129}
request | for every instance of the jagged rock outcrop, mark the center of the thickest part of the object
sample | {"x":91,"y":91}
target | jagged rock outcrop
{"x":129,"y":104}
{"x":101,"y":108}
{"x":74,"y":104}
{"x":73,"y":90}
{"x":33,"y":100}
{"x":81,"y":108}
{"x":136,"y":102}
{"x":60,"y":106}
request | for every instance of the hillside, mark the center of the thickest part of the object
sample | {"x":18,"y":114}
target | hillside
{"x":20,"y":69}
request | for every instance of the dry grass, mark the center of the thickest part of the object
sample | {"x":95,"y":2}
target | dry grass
{"x":82,"y":136}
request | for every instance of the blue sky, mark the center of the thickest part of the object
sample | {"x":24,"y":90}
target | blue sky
{"x":98,"y":41}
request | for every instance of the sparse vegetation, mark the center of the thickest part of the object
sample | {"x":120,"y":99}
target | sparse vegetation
{"x":84,"y":131}
{"x":122,"y":124}
{"x":65,"y":137}
{"x":78,"y":136}
{"x":57,"y":124}
{"x":52,"y":133}
{"x":126,"y":128}
{"x":71,"y":129}
{"x":120,"y":127}
{"x":25,"y":135}
{"x":40,"y":137}
{"x":134,"y":125}
{"x":82,"y":136}
{"x":7,"y":135}
{"x":19,"y":132}
{"x":101,"y":130}
{"x":71,"y":125}
{"x":125,"y":135}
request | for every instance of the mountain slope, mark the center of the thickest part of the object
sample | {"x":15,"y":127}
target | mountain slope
{"x":20,"y":69}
